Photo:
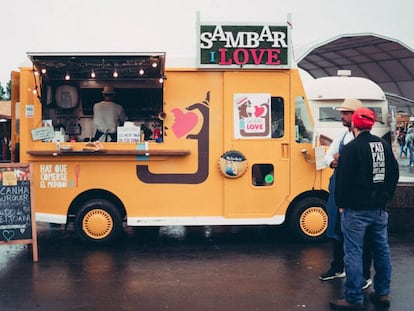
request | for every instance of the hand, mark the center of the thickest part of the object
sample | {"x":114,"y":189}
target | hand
{"x":334,"y":164}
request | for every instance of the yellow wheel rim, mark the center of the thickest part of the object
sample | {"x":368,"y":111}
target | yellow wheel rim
{"x":314,"y":221}
{"x":97,"y":224}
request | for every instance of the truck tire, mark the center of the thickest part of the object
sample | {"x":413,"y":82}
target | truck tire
{"x":98,"y":221}
{"x":308,"y":220}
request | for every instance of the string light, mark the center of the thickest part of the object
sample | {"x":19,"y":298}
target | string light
{"x":144,"y":68}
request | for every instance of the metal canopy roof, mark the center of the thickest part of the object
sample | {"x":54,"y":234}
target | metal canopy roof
{"x":386,"y":61}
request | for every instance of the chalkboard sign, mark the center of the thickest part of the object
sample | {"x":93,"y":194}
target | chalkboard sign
{"x":17,"y":224}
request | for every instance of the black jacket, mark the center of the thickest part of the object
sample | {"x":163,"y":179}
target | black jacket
{"x":367,"y":173}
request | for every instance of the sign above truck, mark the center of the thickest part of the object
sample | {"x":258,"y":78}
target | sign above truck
{"x":244,"y":46}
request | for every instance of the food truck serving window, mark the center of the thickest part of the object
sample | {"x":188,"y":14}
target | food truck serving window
{"x":69,"y":85}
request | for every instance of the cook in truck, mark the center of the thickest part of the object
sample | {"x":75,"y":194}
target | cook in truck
{"x":107,"y":116}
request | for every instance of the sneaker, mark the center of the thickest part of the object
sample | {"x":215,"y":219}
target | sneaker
{"x":342,"y":304}
{"x":380,"y":301}
{"x":331,"y":274}
{"x":368,"y":283}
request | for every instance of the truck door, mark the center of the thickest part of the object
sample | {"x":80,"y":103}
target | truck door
{"x":257,"y":130}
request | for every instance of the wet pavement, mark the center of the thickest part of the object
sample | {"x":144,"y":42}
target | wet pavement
{"x":177,"y":268}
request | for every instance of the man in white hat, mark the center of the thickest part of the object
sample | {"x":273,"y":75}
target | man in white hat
{"x":107,"y":116}
{"x":336,"y":269}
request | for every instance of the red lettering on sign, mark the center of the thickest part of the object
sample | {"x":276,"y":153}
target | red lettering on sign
{"x":245,"y":55}
{"x":253,"y":126}
{"x":273,"y":54}
{"x":223,"y":60}
{"x":248,"y":56}
{"x":257,"y":58}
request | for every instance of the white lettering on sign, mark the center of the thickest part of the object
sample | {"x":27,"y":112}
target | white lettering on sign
{"x":243,"y":39}
{"x":247,"y":46}
{"x":378,"y":161}
{"x":53,"y":176}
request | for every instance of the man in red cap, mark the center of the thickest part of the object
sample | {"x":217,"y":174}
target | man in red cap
{"x":366,"y":178}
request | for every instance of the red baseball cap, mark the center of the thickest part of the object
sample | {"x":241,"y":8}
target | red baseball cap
{"x":363,"y":118}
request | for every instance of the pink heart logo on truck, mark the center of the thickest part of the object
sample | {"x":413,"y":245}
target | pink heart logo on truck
{"x":259,"y":111}
{"x":184,"y":122}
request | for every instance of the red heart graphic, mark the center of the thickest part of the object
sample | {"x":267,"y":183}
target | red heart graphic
{"x":184,"y":122}
{"x":259,"y":111}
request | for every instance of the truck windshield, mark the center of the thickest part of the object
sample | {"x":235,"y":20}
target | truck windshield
{"x":330,"y":114}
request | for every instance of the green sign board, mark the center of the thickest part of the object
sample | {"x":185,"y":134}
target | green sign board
{"x":245,"y":46}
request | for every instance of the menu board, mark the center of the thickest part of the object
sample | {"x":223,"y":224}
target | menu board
{"x":17,"y":223}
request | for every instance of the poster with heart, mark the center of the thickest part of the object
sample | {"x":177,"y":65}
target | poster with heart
{"x":17,"y":220}
{"x":15,"y":207}
{"x":252,"y":115}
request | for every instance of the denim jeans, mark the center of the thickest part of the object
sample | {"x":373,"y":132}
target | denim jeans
{"x":334,"y":229}
{"x":354,"y":225}
{"x":411,"y":152}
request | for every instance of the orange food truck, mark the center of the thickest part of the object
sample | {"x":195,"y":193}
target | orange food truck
{"x":225,"y":142}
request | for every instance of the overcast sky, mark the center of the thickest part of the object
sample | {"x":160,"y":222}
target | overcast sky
{"x":170,"y":25}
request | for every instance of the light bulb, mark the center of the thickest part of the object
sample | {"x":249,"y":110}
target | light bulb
{"x":44,"y":70}
{"x":93,"y":74}
{"x":67,"y":77}
{"x":115,"y":74}
{"x":141,"y":72}
{"x":161,"y":80}
{"x":154,"y":65}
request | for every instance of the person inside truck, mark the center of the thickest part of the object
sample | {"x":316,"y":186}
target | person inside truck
{"x":302,"y":134}
{"x":107,"y":116}
{"x":277,"y":121}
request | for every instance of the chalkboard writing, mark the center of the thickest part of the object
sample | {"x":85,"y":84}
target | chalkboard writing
{"x":15,"y":204}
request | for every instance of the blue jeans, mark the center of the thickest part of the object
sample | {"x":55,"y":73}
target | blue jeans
{"x":354,"y":225}
{"x":411,"y":155}
{"x":333,"y":214}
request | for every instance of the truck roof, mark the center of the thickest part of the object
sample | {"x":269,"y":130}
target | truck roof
{"x":341,"y":87}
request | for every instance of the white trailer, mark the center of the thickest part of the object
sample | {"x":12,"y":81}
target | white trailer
{"x":327,"y":93}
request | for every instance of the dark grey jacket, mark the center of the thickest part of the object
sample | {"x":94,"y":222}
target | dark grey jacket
{"x":367,"y":173}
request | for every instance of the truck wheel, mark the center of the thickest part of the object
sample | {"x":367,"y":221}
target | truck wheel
{"x":309,"y":219}
{"x":98,"y":221}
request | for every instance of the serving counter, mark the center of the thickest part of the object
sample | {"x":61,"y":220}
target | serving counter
{"x":108,"y":152}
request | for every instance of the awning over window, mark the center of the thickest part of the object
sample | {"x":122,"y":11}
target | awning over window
{"x":99,"y":66}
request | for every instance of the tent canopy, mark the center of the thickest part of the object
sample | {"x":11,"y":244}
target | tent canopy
{"x":386,"y":61}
